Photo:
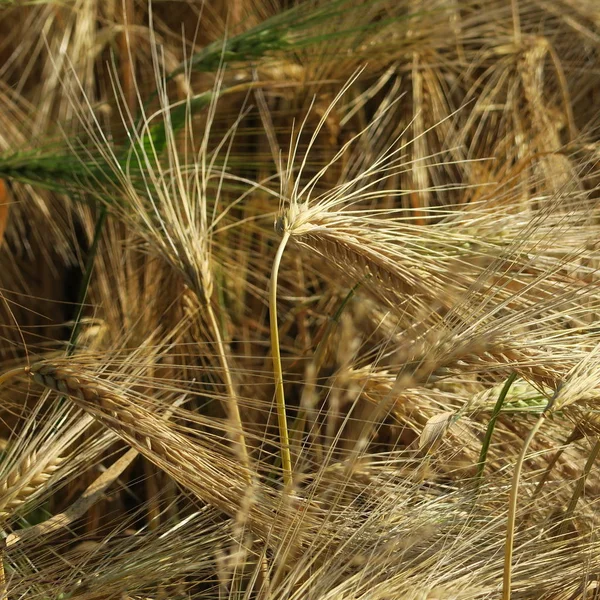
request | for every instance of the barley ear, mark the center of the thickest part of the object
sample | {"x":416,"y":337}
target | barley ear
{"x":90,"y":496}
{"x":24,"y":480}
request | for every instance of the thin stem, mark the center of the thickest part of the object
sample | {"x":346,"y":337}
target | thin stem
{"x":286,"y":459}
{"x":298,"y":425}
{"x":512,"y":509}
{"x":232,"y":404}
{"x":12,"y":373}
{"x":580,"y":486}
{"x":332,"y":326}
{"x":87,"y":276}
{"x":516,"y":18}
{"x":576,"y":435}
{"x":126,"y":55}
{"x":3,"y":588}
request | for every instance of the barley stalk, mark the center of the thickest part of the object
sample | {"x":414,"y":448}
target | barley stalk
{"x":191,"y":301}
{"x":232,"y":405}
{"x":512,"y":509}
{"x":577,"y":434}
{"x":3,"y":587}
{"x":286,"y":459}
{"x":490,"y":429}
{"x":8,"y":375}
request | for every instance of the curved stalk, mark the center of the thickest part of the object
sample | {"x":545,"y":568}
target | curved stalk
{"x":286,"y":459}
{"x":8,"y":375}
{"x":512,"y":509}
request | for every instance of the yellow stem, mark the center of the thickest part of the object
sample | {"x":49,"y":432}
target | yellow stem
{"x":516,"y":18}
{"x":12,"y":373}
{"x":3,"y":589}
{"x":286,"y":459}
{"x":512,"y":509}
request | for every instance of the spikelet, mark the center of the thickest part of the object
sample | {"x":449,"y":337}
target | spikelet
{"x":26,"y":478}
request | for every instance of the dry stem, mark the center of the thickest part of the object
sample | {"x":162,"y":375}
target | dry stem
{"x":512,"y":510}
{"x":233,"y":408}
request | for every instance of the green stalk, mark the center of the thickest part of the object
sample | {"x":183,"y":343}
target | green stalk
{"x":490,"y":429}
{"x":286,"y":458}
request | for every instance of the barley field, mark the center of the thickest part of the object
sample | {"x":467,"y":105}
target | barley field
{"x":299,"y":300}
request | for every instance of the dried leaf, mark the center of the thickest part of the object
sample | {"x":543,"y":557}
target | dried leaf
{"x":434,"y":431}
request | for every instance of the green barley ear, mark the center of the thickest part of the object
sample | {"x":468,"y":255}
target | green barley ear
{"x":306,"y":26}
{"x":280,"y":33}
{"x":56,"y":167}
